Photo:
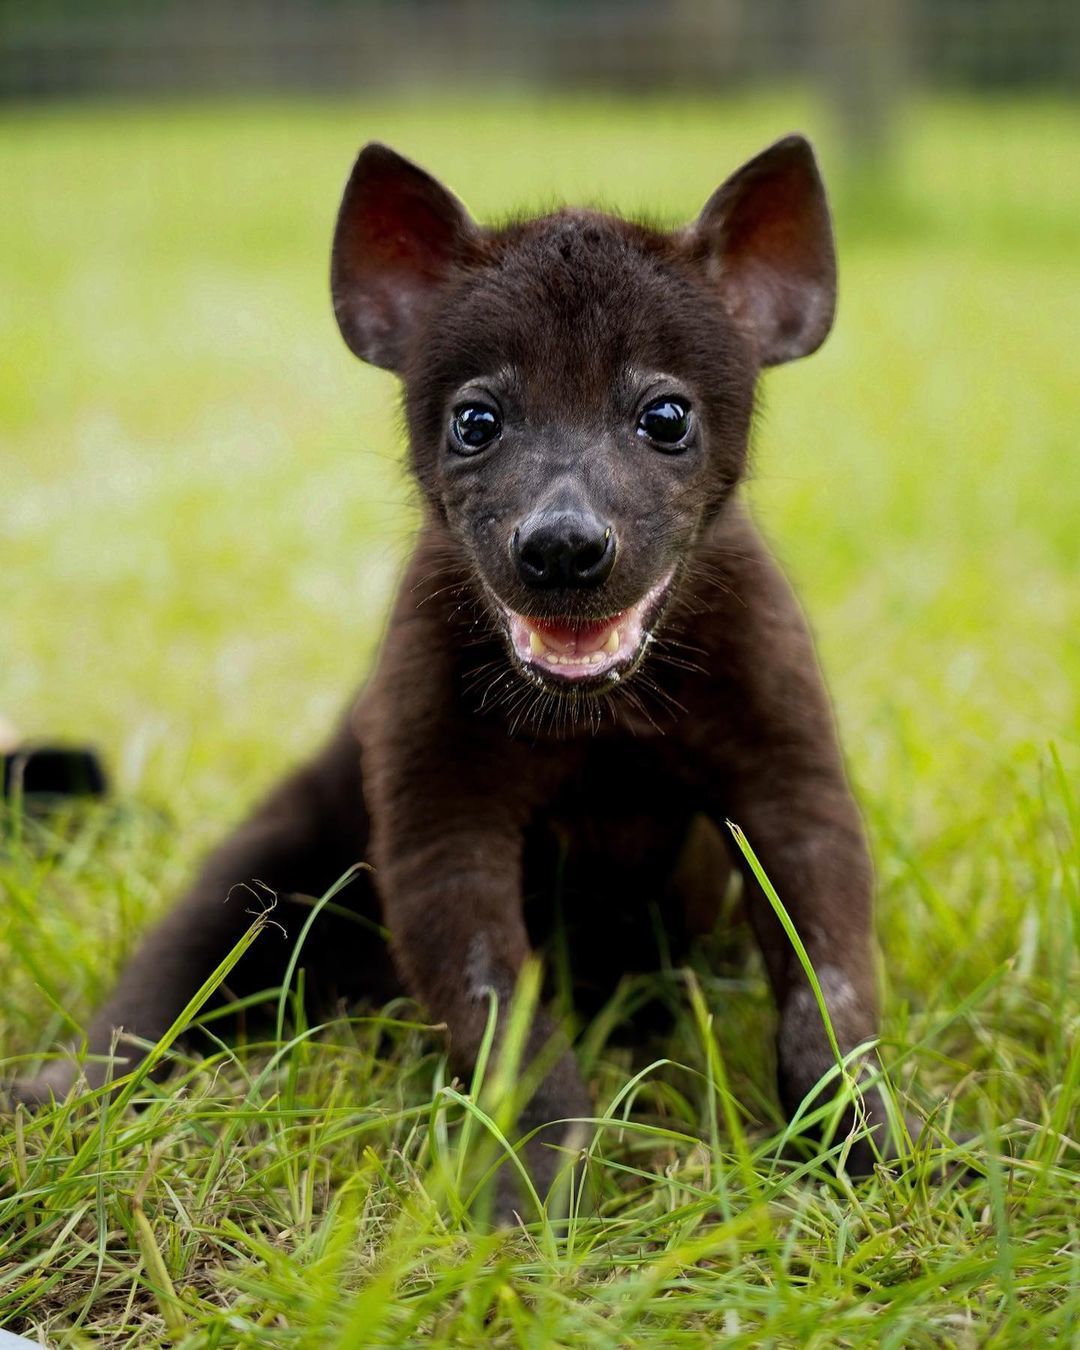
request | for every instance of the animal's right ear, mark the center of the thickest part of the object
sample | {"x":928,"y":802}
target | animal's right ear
{"x":398,"y":234}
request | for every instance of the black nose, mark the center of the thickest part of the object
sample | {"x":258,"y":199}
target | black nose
{"x":563,"y":549}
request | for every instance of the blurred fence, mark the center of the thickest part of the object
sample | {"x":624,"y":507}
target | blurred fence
{"x":861,"y":55}
{"x":66,"y":48}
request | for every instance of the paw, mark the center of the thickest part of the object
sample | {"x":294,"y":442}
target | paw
{"x":552,"y":1156}
{"x":552,"y":1159}
{"x":51,"y":1085}
{"x":875,"y":1141}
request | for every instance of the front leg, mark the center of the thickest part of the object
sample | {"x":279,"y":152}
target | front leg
{"x":450,"y":794}
{"x":806,"y":833}
{"x":772,"y":765}
{"x":453,"y":906}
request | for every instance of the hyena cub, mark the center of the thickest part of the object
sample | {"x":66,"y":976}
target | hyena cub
{"x":591,"y":651}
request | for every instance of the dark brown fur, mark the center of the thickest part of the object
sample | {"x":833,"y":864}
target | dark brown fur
{"x":464,"y":777}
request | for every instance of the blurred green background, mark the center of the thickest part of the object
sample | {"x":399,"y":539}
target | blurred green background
{"x":202,"y":506}
{"x":203,"y":512}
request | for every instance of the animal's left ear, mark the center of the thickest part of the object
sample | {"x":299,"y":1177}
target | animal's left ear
{"x":766,"y":238}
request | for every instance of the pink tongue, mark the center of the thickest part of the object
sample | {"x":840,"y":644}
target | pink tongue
{"x":575,"y":639}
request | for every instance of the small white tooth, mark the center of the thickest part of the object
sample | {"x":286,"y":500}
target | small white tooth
{"x":536,"y":643}
{"x":611,"y":646}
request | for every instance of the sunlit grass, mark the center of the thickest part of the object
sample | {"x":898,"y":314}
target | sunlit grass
{"x":202,"y":515}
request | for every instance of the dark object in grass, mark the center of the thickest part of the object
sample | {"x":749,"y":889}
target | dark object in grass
{"x":40,"y":774}
{"x":593,"y":662}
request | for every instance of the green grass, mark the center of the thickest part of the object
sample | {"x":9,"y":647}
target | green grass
{"x":202,"y":517}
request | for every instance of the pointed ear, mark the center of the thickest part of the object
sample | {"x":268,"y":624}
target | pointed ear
{"x":766,"y":238}
{"x":398,"y":234}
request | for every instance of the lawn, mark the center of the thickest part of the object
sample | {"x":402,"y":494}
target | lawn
{"x":202,"y":517}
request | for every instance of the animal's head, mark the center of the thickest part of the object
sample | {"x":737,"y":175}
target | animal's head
{"x":579,"y":388}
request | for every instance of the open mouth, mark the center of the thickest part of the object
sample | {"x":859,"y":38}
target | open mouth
{"x":586,"y":651}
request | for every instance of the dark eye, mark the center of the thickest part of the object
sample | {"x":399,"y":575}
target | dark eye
{"x":667,"y":422}
{"x":473,"y":427}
